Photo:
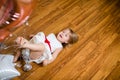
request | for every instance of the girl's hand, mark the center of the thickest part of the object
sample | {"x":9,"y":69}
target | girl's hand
{"x":18,"y":40}
{"x":21,"y":42}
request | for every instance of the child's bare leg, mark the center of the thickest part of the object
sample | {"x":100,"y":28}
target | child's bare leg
{"x":17,"y":55}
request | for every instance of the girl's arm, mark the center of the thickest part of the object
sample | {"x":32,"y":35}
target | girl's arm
{"x":55,"y":54}
{"x":24,"y":43}
{"x":34,"y":47}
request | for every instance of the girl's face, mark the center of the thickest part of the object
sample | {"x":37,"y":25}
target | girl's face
{"x":64,"y":36}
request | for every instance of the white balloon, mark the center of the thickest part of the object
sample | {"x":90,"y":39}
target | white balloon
{"x":7,"y":67}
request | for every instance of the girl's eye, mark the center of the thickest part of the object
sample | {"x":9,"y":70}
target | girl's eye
{"x":65,"y":35}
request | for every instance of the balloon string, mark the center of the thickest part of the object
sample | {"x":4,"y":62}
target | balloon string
{"x":3,"y":46}
{"x":11,"y":46}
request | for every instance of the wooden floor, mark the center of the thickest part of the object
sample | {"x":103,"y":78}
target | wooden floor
{"x":96,"y":56}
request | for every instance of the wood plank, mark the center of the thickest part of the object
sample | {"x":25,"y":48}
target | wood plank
{"x":95,"y":56}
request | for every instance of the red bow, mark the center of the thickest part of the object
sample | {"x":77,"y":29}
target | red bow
{"x":48,"y":42}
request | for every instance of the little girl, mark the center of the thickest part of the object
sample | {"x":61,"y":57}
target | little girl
{"x":45,"y":49}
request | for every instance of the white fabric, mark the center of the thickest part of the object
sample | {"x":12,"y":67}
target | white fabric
{"x":54,"y":43}
{"x":40,"y":38}
{"x":7,"y":67}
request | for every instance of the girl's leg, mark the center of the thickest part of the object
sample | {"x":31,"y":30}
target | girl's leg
{"x":35,"y":54}
{"x":17,"y":55}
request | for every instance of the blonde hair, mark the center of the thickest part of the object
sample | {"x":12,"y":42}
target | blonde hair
{"x":73,"y":37}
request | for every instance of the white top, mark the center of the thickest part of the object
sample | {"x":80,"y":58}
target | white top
{"x":54,"y":43}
